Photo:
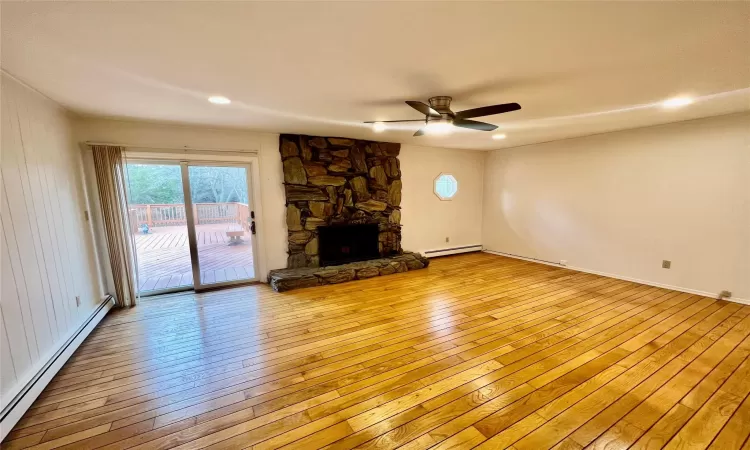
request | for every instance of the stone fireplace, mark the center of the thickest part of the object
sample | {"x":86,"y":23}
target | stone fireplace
{"x":337,"y":183}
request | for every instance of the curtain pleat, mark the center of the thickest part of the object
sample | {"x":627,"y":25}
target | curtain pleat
{"x":111,"y":181}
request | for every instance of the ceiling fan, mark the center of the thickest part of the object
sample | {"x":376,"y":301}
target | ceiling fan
{"x":440,"y":119}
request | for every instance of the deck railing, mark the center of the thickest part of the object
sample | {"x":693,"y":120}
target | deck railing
{"x":162,"y":215}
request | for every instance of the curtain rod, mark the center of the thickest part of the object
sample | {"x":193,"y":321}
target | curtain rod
{"x":174,"y":149}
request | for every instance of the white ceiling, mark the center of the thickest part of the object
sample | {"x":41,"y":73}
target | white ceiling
{"x":322,"y":68}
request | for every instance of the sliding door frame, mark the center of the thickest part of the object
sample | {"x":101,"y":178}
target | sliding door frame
{"x":151,"y":293}
{"x":185,"y":163}
{"x":198,"y":284}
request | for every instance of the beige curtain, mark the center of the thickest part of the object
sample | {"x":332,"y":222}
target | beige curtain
{"x":110,"y":179}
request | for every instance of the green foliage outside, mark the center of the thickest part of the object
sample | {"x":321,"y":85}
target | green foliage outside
{"x":162,"y":184}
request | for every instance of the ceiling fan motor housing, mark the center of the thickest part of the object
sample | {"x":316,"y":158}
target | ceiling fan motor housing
{"x":442,"y":104}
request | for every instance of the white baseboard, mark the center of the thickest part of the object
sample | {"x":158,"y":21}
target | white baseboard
{"x":29,"y":391}
{"x":452,"y":250}
{"x":624,"y":278}
{"x":511,"y":255}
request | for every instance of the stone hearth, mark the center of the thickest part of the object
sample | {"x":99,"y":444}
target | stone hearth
{"x":287,"y":279}
{"x":336,"y":181}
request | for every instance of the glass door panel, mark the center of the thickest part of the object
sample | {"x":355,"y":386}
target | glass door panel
{"x":221,"y":212}
{"x":156,"y":205}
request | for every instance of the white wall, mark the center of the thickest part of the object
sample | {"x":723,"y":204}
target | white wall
{"x":47,"y":250}
{"x":620,"y":203}
{"x":426,"y":219}
{"x":616,"y":203}
{"x":271,"y":221}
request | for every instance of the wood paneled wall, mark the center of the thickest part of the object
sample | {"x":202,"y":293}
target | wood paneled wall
{"x":45,"y":244}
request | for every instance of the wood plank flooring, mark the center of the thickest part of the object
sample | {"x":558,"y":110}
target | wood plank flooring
{"x":477,"y":351}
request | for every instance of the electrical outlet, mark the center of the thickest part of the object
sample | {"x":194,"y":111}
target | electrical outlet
{"x":666,"y":264}
{"x":725,"y":294}
{"x":78,"y":300}
{"x":447,"y":239}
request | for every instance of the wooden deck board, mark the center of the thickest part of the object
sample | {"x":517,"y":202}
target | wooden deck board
{"x":164,"y":257}
{"x":476,"y":351}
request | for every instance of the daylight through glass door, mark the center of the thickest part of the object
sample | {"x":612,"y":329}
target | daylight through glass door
{"x":223,"y":224}
{"x":190,"y":244}
{"x":156,"y":205}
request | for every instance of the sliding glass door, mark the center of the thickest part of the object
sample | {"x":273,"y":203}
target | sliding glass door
{"x":192,"y":225}
{"x":156,"y":205}
{"x":223,"y":224}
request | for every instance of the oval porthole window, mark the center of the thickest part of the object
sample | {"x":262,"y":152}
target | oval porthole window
{"x":446,"y":186}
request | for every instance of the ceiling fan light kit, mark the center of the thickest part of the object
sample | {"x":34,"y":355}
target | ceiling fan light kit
{"x":439,"y":119}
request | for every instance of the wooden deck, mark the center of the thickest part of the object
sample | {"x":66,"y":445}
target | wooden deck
{"x":164,"y":257}
{"x":476,"y":351}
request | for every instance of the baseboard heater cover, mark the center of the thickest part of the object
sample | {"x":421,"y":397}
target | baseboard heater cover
{"x":21,"y":402}
{"x":452,"y":251}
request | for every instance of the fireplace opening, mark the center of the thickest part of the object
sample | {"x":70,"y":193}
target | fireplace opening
{"x":341,"y":244}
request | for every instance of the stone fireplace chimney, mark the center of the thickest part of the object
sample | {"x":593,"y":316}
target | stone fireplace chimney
{"x":338,"y":181}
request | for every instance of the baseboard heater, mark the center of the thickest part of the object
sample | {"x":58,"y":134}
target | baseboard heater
{"x":21,"y":402}
{"x":452,"y":251}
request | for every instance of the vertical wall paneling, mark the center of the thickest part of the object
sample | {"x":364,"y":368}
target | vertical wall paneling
{"x":24,"y":263}
{"x":48,"y":231}
{"x":34,"y":145}
{"x":46,"y":247}
{"x":7,"y":371}
{"x":40,"y":231}
{"x":20,"y":352}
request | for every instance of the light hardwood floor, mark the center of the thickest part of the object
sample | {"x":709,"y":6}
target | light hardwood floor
{"x":475,"y":351}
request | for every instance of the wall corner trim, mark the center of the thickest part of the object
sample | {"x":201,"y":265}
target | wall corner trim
{"x":21,"y":402}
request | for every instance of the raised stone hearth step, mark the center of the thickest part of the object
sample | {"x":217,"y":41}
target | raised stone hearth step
{"x":287,"y":279}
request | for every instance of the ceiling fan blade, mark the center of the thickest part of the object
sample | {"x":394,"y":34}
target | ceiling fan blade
{"x":393,"y":121}
{"x":419,"y":132}
{"x":423,"y":108}
{"x":488,"y":110}
{"x":474,"y":125}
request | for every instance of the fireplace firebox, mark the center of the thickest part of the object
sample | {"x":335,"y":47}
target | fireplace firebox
{"x":341,"y":244}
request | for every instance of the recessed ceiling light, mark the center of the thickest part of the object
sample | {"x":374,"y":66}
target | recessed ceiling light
{"x":219,"y":100}
{"x":498,"y":136}
{"x":677,"y":102}
{"x":438,"y":128}
{"x":378,"y":127}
